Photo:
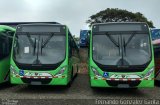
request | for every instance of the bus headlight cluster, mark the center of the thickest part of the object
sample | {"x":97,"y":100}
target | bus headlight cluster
{"x":149,"y":73}
{"x":13,"y":71}
{"x":96,"y":73}
{"x":61,"y":71}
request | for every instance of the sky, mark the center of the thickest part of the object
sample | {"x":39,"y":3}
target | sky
{"x":72,"y":13}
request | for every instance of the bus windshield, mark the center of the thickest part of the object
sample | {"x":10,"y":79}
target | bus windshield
{"x":39,"y":48}
{"x":122,"y":49}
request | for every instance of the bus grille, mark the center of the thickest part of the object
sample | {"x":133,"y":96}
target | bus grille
{"x":130,"y":83}
{"x":43,"y":81}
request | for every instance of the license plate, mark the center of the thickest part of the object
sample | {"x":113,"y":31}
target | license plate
{"x":36,"y":83}
{"x":37,"y":74}
{"x":123,"y":85}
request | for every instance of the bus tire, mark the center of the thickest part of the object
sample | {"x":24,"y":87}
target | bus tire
{"x":157,"y":80}
{"x":135,"y":88}
{"x":157,"y":83}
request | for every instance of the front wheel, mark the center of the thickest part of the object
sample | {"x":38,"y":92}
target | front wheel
{"x":157,"y":79}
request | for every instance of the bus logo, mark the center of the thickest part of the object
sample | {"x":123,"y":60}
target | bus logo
{"x":123,"y":76}
{"x":36,"y":74}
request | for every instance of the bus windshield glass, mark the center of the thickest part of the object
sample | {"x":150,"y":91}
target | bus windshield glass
{"x":121,"y":48}
{"x":39,"y":48}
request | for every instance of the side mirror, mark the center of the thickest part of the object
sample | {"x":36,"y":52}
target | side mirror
{"x":70,"y":49}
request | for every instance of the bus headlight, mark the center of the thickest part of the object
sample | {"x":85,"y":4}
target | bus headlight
{"x":61,"y":71}
{"x":149,"y":73}
{"x":96,"y":73}
{"x":13,"y":71}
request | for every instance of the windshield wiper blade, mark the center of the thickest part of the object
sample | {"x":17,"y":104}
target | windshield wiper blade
{"x":117,"y":44}
{"x":34,"y":50}
{"x":122,"y":59}
{"x":124,"y":42}
{"x":30,"y":40}
{"x":43,"y":44}
{"x":33,"y":44}
{"x":47,"y":40}
{"x":112,"y":39}
{"x":37,"y":61}
{"x":129,"y":40}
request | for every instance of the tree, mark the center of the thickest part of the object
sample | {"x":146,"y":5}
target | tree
{"x":118,"y":15}
{"x":75,"y":38}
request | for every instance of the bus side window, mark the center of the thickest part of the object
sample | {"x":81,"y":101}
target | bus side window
{"x":4,"y":47}
{"x":70,"y":47}
{"x":74,"y":50}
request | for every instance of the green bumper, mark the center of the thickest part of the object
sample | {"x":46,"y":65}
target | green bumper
{"x":54,"y":81}
{"x":103,"y":83}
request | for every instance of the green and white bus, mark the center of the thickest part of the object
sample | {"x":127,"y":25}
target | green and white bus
{"x":43,"y":54}
{"x":6,"y":35}
{"x":121,"y":55}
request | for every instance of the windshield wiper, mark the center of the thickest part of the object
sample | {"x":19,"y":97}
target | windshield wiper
{"x":122,"y":59}
{"x":33,"y":44}
{"x":30,"y":40}
{"x":34,"y":50}
{"x":124,"y":46}
{"x":112,"y":39}
{"x":117,"y":44}
{"x":129,"y":40}
{"x":47,"y":40}
{"x":37,"y":59}
{"x":43,"y":44}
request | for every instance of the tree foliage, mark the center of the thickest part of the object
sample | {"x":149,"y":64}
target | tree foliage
{"x":75,"y":38}
{"x":118,"y":15}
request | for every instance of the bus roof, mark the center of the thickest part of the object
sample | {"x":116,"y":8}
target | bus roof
{"x":41,"y":27}
{"x":14,"y":24}
{"x":120,"y":26}
{"x":108,"y":23}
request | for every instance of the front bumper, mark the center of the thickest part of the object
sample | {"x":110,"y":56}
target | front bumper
{"x":117,"y":83}
{"x":43,"y":81}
